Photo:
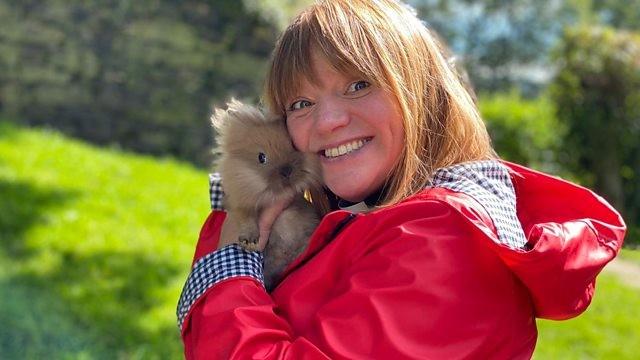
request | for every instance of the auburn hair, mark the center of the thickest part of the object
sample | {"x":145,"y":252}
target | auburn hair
{"x":384,"y":42}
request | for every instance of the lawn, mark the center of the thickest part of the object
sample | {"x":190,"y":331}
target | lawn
{"x":95,"y":245}
{"x":631,"y":255}
{"x":607,"y":330}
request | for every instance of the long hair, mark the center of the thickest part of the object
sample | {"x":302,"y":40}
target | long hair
{"x":384,"y":42}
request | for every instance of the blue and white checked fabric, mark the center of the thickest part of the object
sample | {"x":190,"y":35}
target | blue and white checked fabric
{"x":230,"y":261}
{"x":489,"y":183}
{"x":215,"y":191}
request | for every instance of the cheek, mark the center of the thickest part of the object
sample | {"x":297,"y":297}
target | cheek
{"x":298,"y":135}
{"x":397,"y":137}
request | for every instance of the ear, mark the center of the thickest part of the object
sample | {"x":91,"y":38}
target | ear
{"x":220,"y":116}
{"x":234,"y":107}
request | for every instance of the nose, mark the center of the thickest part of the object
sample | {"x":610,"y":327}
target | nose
{"x":285,"y":171}
{"x":331,"y":115}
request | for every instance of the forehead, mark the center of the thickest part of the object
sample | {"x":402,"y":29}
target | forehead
{"x":320,"y":73}
{"x":300,"y":57}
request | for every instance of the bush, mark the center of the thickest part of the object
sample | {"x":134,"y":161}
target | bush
{"x":597,"y":96}
{"x":141,"y":75}
{"x":525,"y":131}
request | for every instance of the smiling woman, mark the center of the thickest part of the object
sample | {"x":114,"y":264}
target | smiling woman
{"x":429,"y":233}
{"x":355,"y":127}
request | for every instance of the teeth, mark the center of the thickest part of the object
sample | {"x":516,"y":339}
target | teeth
{"x":344,"y":148}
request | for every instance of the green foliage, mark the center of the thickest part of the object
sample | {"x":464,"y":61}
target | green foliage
{"x":597,"y":95}
{"x":502,"y":43}
{"x":95,"y":246}
{"x":506,"y":43}
{"x":622,"y":14}
{"x":607,"y":330}
{"x":525,"y":131}
{"x":280,"y":12}
{"x":142,"y":74}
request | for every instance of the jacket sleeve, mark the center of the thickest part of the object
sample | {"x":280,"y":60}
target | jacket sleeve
{"x":230,"y":316}
{"x":561,"y":267}
{"x":565,"y":253}
{"x":572,"y":234}
{"x":412,"y":290}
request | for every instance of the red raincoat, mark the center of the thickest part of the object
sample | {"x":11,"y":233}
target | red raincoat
{"x":423,"y":279}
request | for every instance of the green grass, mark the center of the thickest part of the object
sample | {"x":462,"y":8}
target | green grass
{"x":607,"y":330}
{"x":95,"y":246}
{"x":631,"y":255}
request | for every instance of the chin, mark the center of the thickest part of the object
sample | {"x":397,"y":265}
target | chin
{"x":352,"y":186}
{"x":349,"y":194}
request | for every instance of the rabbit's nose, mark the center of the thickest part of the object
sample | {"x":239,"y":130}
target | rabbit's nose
{"x":285,"y":171}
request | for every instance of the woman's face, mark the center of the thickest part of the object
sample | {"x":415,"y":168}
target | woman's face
{"x":354,"y":128}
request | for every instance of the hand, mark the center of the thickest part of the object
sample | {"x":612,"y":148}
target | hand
{"x":229,"y":234}
{"x":268,"y":216}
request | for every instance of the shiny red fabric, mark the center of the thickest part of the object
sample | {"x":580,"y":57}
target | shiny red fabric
{"x":424,"y":279}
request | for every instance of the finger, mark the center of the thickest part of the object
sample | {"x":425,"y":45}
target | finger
{"x":264,"y":237}
{"x":268,"y":216}
{"x":229,"y":233}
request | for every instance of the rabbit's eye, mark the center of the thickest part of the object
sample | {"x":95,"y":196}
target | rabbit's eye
{"x":262,"y":158}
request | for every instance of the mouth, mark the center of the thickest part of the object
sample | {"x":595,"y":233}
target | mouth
{"x":344,"y":149}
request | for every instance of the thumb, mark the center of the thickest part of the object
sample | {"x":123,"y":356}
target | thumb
{"x":268,"y":216}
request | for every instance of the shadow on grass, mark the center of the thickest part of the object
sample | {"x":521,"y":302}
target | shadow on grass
{"x":91,"y":305}
{"x":21,"y":206}
{"x":83,"y":306}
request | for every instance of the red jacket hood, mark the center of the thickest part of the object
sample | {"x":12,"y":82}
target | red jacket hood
{"x":572,"y":233}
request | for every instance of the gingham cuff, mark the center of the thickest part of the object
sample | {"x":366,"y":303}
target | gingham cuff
{"x":230,"y":261}
{"x":215,"y":191}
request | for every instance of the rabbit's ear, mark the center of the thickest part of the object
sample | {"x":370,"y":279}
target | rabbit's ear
{"x":220,"y":116}
{"x":234,"y":107}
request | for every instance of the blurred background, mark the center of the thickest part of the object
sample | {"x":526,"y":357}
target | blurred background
{"x":105,"y":146}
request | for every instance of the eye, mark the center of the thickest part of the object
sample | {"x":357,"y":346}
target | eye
{"x":262,"y":158}
{"x":300,"y":104}
{"x":357,"y":86}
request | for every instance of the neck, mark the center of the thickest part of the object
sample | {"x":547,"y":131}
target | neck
{"x":372,"y":200}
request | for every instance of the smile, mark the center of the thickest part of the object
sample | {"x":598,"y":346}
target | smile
{"x":345,"y":148}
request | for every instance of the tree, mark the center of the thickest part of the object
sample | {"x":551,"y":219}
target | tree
{"x":501,"y":43}
{"x":525,"y":131}
{"x":141,"y":74}
{"x":597,"y":95}
{"x":621,"y":14}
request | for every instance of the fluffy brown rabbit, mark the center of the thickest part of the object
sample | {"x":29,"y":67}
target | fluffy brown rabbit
{"x":259,"y":165}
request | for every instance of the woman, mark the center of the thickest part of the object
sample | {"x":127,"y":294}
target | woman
{"x":434,"y":249}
